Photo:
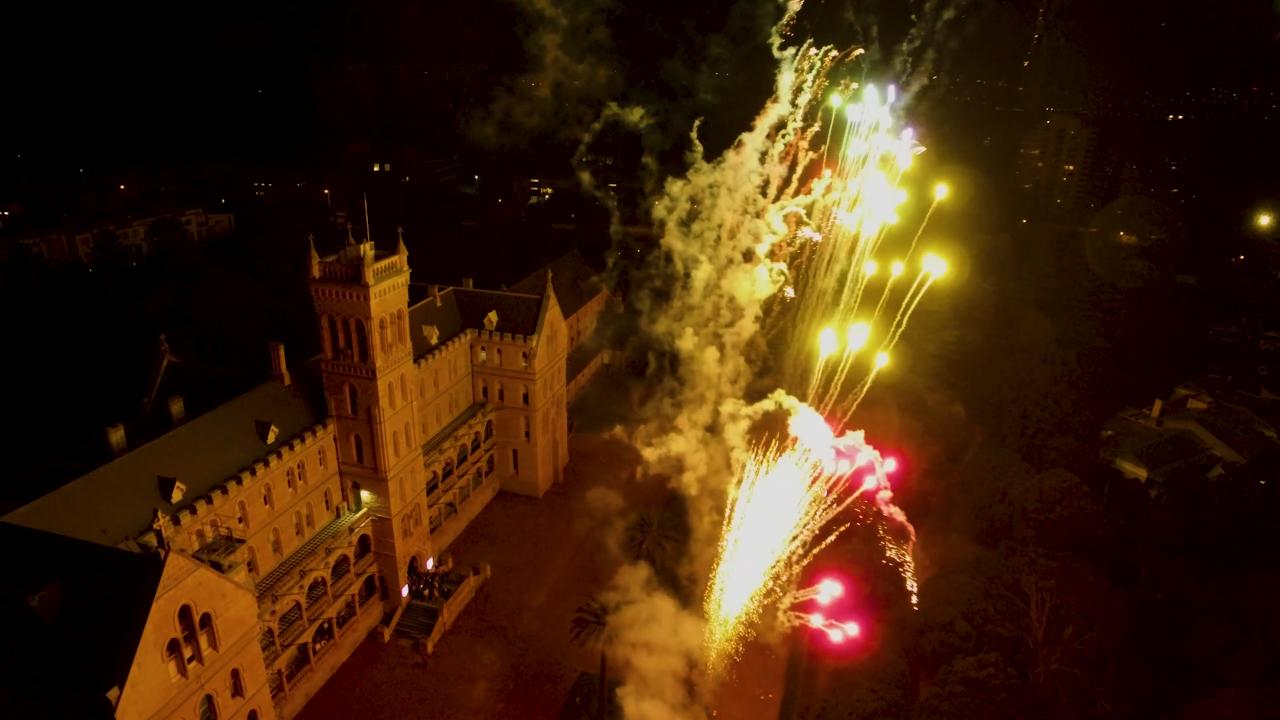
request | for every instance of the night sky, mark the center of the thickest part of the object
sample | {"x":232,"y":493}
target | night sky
{"x":152,"y":84}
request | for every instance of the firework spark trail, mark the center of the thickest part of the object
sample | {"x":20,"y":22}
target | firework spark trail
{"x":771,"y":223}
{"x":791,"y":490}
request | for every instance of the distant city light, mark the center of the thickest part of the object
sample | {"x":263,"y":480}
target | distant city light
{"x":122,"y":187}
{"x":1264,"y":220}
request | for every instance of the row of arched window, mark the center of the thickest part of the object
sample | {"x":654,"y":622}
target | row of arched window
{"x":344,"y":338}
{"x":502,"y":393}
{"x":347,"y":338}
{"x":317,"y":591}
{"x":194,"y":641}
{"x":482,"y":356}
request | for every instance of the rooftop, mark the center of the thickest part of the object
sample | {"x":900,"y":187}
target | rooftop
{"x":62,"y":593}
{"x":465,"y":308}
{"x":118,"y":500}
{"x":574,"y":281}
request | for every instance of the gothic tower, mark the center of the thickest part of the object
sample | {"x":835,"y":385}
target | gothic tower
{"x":361,"y":297}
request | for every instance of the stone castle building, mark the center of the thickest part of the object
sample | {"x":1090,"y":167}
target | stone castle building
{"x":224,"y":570}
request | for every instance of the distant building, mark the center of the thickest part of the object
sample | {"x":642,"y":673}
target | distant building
{"x":1057,"y":166}
{"x":227,"y":568}
{"x":134,"y":236}
{"x":1191,"y":435}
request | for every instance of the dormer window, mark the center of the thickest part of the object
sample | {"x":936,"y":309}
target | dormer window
{"x":267,"y":431}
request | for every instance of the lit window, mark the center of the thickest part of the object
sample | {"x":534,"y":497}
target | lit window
{"x":377,"y":167}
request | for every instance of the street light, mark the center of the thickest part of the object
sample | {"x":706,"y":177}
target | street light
{"x":1264,"y":220}
{"x":328,"y":203}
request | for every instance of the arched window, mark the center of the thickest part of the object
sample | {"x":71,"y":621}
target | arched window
{"x":200,"y":537}
{"x":289,"y":480}
{"x":353,"y":400}
{"x":267,"y":641}
{"x":173,"y":657}
{"x":320,"y":459}
{"x":525,"y":423}
{"x":515,"y":461}
{"x":311,"y":517}
{"x":488,"y":429}
{"x":488,"y":466}
{"x":328,"y":500}
{"x":341,"y":568}
{"x":382,"y":334}
{"x":346,"y":339}
{"x":395,"y":444}
{"x":447,"y":471}
{"x":502,"y":396}
{"x":237,"y":683}
{"x":317,"y":591}
{"x":253,"y":715}
{"x":187,"y":631}
{"x":368,"y":589}
{"x":357,"y":448}
{"x":268,"y":497}
{"x":475,"y":442}
{"x":362,"y":342}
{"x":433,"y":483}
{"x":462,"y":454}
{"x":524,"y":359}
{"x":484,"y":390}
{"x":400,"y":327}
{"x":364,"y":546}
{"x":391,"y":394}
{"x":252,"y":560}
{"x":208,"y":636}
{"x":498,"y":352}
{"x":331,"y":342}
{"x":302,"y":472}
{"x":277,"y":546}
{"x":289,"y":620}
{"x":242,"y":514}
{"x":297,"y":523}
{"x":207,"y":710}
{"x":404,"y":389}
{"x":524,"y":395}
{"x":408,"y":434}
{"x":483,"y":355}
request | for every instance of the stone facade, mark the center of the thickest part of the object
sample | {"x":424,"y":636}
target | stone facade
{"x":267,"y":579}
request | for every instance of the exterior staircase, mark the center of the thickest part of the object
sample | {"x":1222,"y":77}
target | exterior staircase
{"x":285,"y":569}
{"x":417,"y":621}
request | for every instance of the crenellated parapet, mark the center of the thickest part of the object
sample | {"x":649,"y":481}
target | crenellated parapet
{"x":505,"y":337}
{"x":459,"y":343}
{"x":286,"y":454}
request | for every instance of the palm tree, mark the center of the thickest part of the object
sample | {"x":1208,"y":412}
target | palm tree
{"x":650,"y":538}
{"x":587,"y":628}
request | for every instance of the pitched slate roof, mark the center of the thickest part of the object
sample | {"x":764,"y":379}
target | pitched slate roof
{"x":517,"y":312}
{"x":574,"y":281}
{"x":117,"y":501}
{"x":465,"y":308}
{"x":424,"y":312}
{"x":69,"y":609}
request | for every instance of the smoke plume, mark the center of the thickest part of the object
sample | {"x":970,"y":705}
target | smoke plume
{"x":570,"y":73}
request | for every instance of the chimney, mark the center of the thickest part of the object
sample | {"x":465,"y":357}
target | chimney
{"x":1156,"y":408}
{"x":177,"y":409}
{"x":468,"y":283}
{"x":115,"y":438}
{"x":435,"y":294}
{"x":279,"y":370}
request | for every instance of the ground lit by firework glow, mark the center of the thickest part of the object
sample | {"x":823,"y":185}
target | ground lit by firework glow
{"x":844,"y":281}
